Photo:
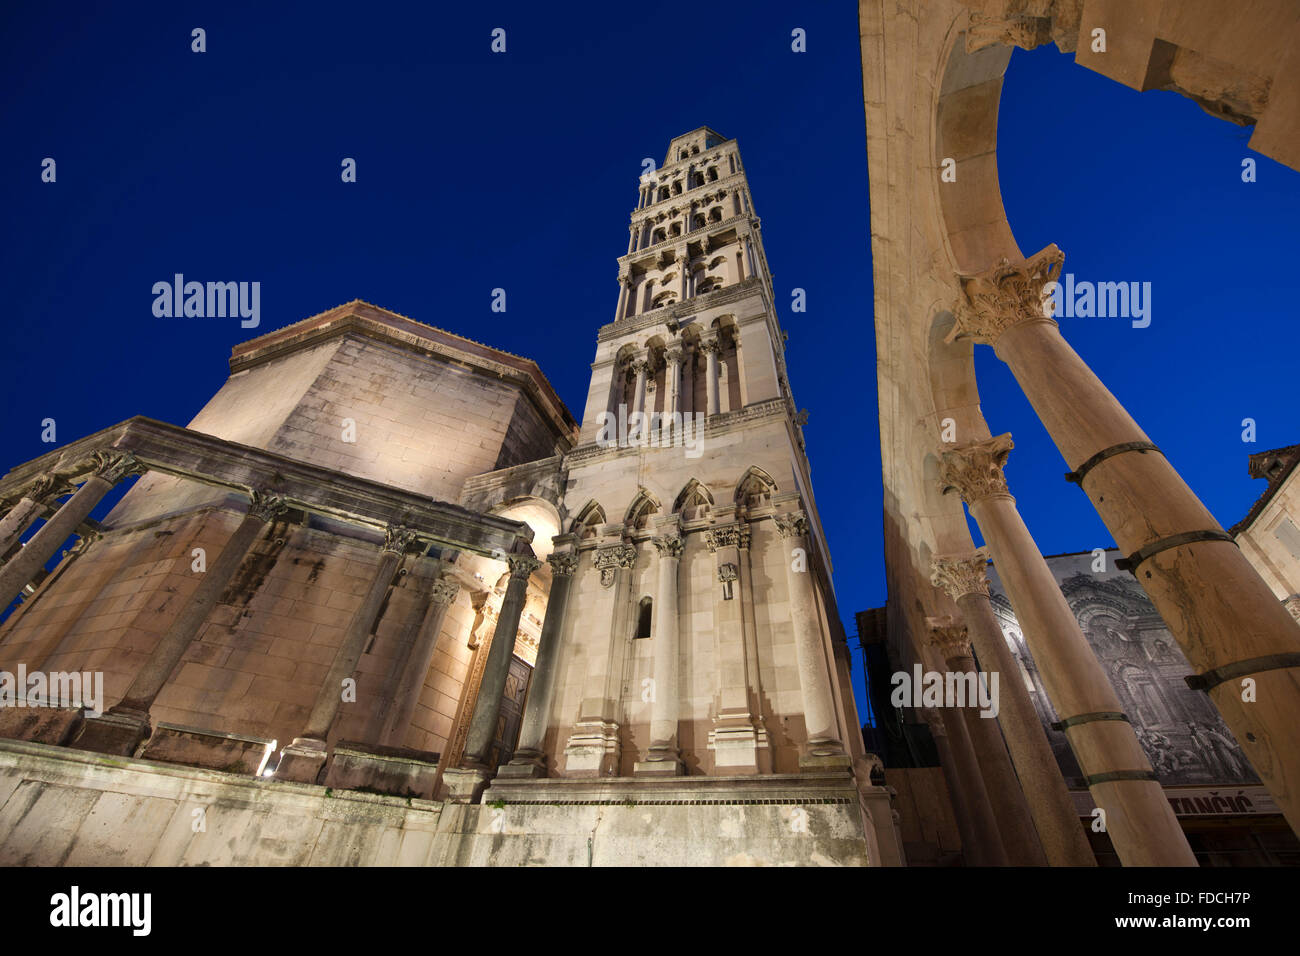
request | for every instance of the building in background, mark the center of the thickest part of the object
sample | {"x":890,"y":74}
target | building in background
{"x":385,"y":600}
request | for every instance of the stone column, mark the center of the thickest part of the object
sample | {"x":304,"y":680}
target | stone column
{"x":981,"y":844}
{"x":684,"y":261}
{"x":529,"y":759}
{"x":1054,"y":815}
{"x":711,"y":348}
{"x":1219,"y":610}
{"x":109,"y":467}
{"x":663,"y":757}
{"x":624,"y":290}
{"x":483,"y":725}
{"x":28,"y":508}
{"x":593,"y":748}
{"x":124,"y":725}
{"x":733,"y":738}
{"x":672,"y":382}
{"x":1139,"y":819}
{"x":824,"y":746}
{"x":1014,"y":823}
{"x":640,"y":367}
{"x":753,"y":677}
{"x":416,"y":671}
{"x":304,"y":757}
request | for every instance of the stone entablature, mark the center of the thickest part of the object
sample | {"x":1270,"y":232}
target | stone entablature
{"x":681,"y":310}
{"x":170,"y":449}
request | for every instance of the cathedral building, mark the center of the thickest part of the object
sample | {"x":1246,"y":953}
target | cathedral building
{"x":385,"y":600}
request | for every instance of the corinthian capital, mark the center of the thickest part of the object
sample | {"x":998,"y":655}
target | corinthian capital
{"x":1006,"y":295}
{"x":445,"y":591}
{"x":265,"y":506}
{"x":792,"y":525}
{"x":398,"y":538}
{"x":949,"y":636}
{"x":47,"y":487}
{"x":563,"y":563}
{"x":113,"y":466}
{"x":669,"y":546}
{"x":961,"y":574}
{"x":521,"y":566}
{"x":975,"y":469}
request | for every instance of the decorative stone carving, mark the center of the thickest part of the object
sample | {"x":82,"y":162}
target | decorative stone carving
{"x":640,"y":365}
{"x":792,"y":525}
{"x":710,"y":345}
{"x":608,"y":560}
{"x":949,"y":636}
{"x":669,"y":546}
{"x":1005,"y":295}
{"x":445,"y":592}
{"x":1292,"y":604}
{"x":265,"y":506}
{"x":522,"y":566}
{"x":960,"y":574}
{"x":1024,"y":23}
{"x":563,"y":563}
{"x":114,"y":466}
{"x":975,"y":469}
{"x":397,"y":538}
{"x":726,"y":573}
{"x":728,"y":536}
{"x":46,"y":487}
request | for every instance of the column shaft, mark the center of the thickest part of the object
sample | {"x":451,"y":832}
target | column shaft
{"x":665,"y":705}
{"x":417,"y":665}
{"x":814,"y":681}
{"x":1055,"y":818}
{"x":487,"y":708}
{"x":537,"y":710}
{"x":16,"y":522}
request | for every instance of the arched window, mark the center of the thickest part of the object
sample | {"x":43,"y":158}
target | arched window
{"x":715,"y":214}
{"x":713,"y":174}
{"x":663,"y":193}
{"x":677,"y":188}
{"x":643,"y":614}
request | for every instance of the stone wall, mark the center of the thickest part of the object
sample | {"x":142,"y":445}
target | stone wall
{"x":68,"y":807}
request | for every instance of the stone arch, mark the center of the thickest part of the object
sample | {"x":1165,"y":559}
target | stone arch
{"x":588,"y":520}
{"x":755,"y":489}
{"x":639,"y":511}
{"x":694,"y":501}
{"x":539,"y":514}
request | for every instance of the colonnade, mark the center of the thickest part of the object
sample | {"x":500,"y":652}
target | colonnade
{"x":1242,"y":643}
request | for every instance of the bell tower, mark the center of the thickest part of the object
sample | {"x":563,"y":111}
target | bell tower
{"x":702,"y":635}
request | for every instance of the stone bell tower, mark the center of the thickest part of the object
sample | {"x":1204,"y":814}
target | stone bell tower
{"x":701,"y":635}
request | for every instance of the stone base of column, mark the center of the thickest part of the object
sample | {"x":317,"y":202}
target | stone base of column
{"x":525,"y":765}
{"x":736,"y":743}
{"x":660,"y":763}
{"x":812,"y":762}
{"x":211,"y":749}
{"x":398,"y":771}
{"x":302,"y":760}
{"x":592,"y":750}
{"x":465,"y":784}
{"x":56,"y":726}
{"x":118,"y":731}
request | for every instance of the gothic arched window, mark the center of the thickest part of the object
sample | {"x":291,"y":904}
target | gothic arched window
{"x":644,"y":610}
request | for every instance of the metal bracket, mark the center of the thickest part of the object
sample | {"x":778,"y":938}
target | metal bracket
{"x":1076,"y":476}
{"x":1254,"y":665}
{"x":1131,"y":563}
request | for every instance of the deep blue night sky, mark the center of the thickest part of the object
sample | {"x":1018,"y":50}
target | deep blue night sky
{"x":519,"y":171}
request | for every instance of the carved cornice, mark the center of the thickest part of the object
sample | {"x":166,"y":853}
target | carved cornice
{"x":1004,"y":296}
{"x":563,"y":563}
{"x":669,"y":546}
{"x":793,"y":524}
{"x":975,"y":469}
{"x":709,"y":300}
{"x":1024,"y":23}
{"x":960,"y":574}
{"x":949,"y":636}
